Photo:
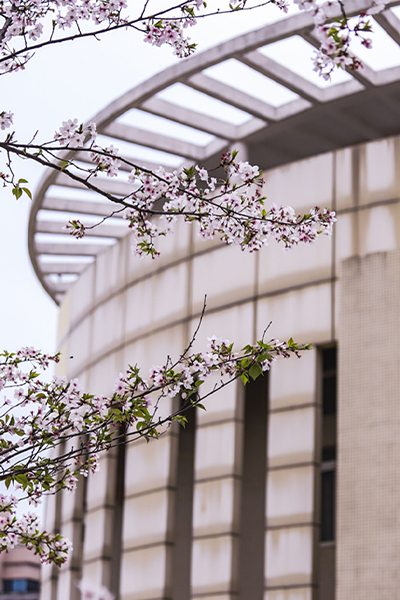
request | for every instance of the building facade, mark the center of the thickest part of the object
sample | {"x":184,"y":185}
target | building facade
{"x":288,"y":488}
{"x":242,"y":503}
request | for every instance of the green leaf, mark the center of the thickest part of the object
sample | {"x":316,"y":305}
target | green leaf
{"x":255,"y":370}
{"x":22,"y":479}
{"x":181,"y":420}
{"x":27,"y":192}
{"x":190,"y":172}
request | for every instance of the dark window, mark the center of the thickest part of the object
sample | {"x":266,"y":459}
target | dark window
{"x":328,"y":505}
{"x":118,"y":514}
{"x":328,"y":451}
{"x":252,"y":516}
{"x":329,"y":381}
{"x":327,"y":555}
{"x":184,"y":508}
{"x":20,"y":585}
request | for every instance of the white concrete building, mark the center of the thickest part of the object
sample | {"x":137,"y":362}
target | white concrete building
{"x":242,"y":503}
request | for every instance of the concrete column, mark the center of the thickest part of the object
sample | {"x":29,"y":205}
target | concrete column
{"x":368,"y":495}
{"x":148,"y":523}
{"x":49,"y":573}
{"x":291,"y":476}
{"x":71,"y":515}
{"x":99,"y":522}
{"x":215,"y":503}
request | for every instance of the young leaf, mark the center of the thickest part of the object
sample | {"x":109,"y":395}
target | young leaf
{"x":254,"y":371}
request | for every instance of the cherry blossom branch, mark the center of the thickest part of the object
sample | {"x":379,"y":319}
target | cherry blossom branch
{"x":181,"y":377}
{"x":23,"y":22}
{"x":59,"y":412}
{"x":231,"y":207}
{"x":26,"y":530}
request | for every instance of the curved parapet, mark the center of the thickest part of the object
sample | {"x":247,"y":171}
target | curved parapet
{"x":240,"y":93}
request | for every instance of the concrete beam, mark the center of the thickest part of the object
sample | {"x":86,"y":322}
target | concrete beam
{"x":191,"y":118}
{"x":298,"y":84}
{"x":82,"y":207}
{"x":72,"y":249}
{"x":109,"y":186}
{"x":221,"y":91}
{"x":63,"y":268}
{"x":103,"y":230}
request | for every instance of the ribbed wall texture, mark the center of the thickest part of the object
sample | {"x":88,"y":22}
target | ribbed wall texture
{"x":368,"y":545}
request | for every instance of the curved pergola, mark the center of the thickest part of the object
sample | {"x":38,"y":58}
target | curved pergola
{"x":310,"y":119}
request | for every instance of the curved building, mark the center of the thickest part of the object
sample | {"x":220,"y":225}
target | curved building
{"x":287,"y":489}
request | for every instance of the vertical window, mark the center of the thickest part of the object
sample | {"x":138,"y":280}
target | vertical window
{"x":328,"y":475}
{"x":327,"y":504}
{"x":118,"y":514}
{"x":184,"y":509}
{"x":252,"y":517}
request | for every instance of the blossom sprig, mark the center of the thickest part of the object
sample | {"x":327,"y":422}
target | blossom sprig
{"x":335,"y":45}
{"x":78,"y":426}
{"x":231,"y":206}
{"x":72,"y":135}
{"x":26,"y":530}
{"x":336,"y":36}
{"x":24,"y":25}
{"x":22,"y":29}
{"x":6,"y":119}
{"x":159,"y":32}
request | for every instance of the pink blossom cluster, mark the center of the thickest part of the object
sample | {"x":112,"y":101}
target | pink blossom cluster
{"x":24,"y":22}
{"x":334,"y":50}
{"x":171,"y":33}
{"x":107,"y":161}
{"x":26,"y":530}
{"x":232,"y":208}
{"x":6,"y":119}
{"x":72,"y":135}
{"x":335,"y":37}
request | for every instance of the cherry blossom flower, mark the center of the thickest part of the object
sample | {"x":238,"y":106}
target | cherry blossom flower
{"x":6,"y":119}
